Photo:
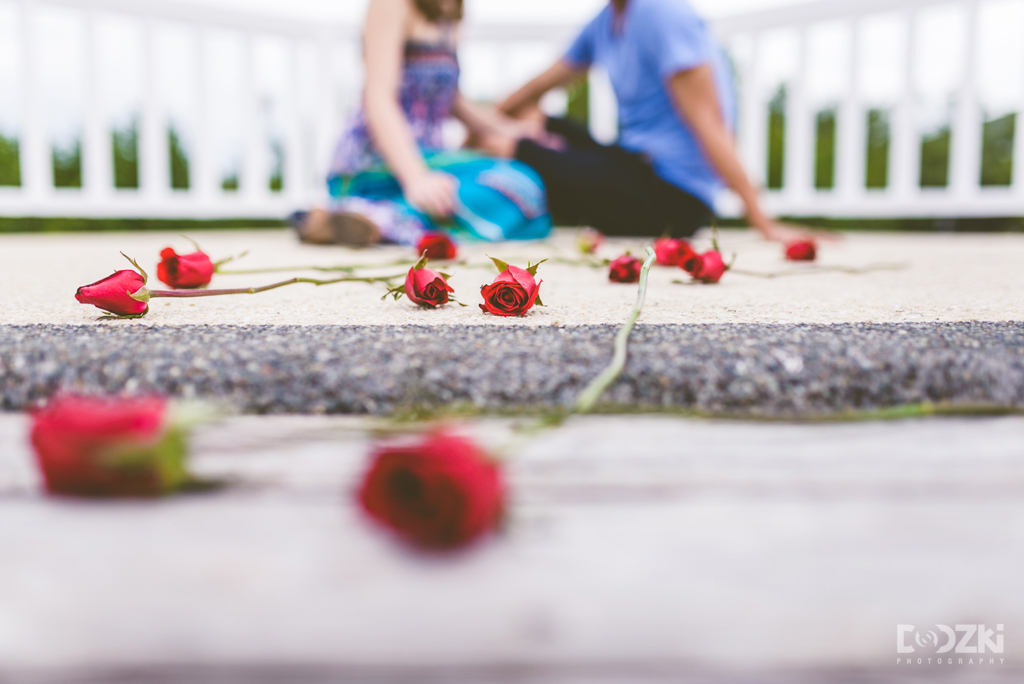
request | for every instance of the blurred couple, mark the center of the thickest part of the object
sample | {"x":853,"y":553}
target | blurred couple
{"x":392,"y":181}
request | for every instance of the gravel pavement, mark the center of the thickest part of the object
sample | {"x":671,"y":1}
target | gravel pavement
{"x":743,"y":369}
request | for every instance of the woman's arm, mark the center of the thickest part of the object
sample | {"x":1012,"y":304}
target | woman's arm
{"x":387,"y":22}
{"x":561,"y":73}
{"x":697,"y":101}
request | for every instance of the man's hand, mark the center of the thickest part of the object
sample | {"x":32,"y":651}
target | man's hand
{"x":432,"y":193}
{"x":781,"y":232}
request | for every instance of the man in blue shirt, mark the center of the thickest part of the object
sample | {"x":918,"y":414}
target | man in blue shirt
{"x":676,"y":118}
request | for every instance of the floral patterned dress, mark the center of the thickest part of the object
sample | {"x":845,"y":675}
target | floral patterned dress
{"x":498,"y":199}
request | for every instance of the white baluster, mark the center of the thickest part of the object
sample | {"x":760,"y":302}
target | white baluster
{"x":327,"y":115}
{"x":604,"y":108}
{"x":965,"y":155}
{"x":753,"y":126}
{"x":97,"y":154}
{"x":905,"y":136}
{"x":36,"y":162}
{"x":851,"y":130}
{"x":255,"y":179}
{"x":800,"y":134}
{"x":154,"y":162}
{"x":294,"y":154}
{"x":204,"y":177}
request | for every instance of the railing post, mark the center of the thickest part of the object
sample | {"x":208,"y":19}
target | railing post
{"x":905,"y":137}
{"x":204,"y":176}
{"x":97,"y":161}
{"x":851,"y":129}
{"x":326,"y":119}
{"x":154,"y":164}
{"x":254,"y":180}
{"x":800,"y":131}
{"x":752,"y":116}
{"x":294,"y":154}
{"x":965,"y":155}
{"x":36,"y":164}
{"x":604,"y":108}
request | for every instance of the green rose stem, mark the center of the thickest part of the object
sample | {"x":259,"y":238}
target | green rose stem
{"x":265,"y":288}
{"x":286,"y":269}
{"x":589,"y":396}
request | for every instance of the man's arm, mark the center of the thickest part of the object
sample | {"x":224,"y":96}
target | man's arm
{"x":696,"y":99}
{"x":561,"y":73}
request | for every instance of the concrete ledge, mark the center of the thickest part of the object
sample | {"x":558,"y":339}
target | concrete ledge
{"x":767,"y":370}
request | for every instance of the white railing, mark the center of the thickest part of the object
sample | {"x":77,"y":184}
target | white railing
{"x":804,"y":46}
{"x":304,"y":121}
{"x":871,"y":43}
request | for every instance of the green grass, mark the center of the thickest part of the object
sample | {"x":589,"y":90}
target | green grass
{"x":997,"y":151}
{"x":125,"y":148}
{"x":10,"y":162}
{"x":777,"y":139}
{"x":67,"y":166}
{"x":825,"y":150}
{"x":877,"y":161}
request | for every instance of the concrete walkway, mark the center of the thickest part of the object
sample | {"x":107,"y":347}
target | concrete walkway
{"x":942,"y":278}
{"x":638,"y":549}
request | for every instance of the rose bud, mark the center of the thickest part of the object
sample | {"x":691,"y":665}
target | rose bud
{"x":513,"y":292}
{"x":437,"y":246}
{"x":440,"y":493}
{"x":711,"y":269}
{"x":625,"y":269}
{"x":121,"y":294}
{"x":184,"y":271}
{"x":803,"y":250}
{"x":589,"y":240}
{"x":90,"y":446}
{"x":672,"y":252}
{"x":426,"y":287}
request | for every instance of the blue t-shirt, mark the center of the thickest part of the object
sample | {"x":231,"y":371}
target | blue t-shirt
{"x":659,"y":38}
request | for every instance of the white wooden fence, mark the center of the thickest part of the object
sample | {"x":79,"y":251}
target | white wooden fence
{"x":321,"y":83}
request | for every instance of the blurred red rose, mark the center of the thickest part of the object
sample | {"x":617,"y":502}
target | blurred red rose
{"x":427,"y":287}
{"x":803,"y":250}
{"x":113,"y":294}
{"x":90,"y":446}
{"x":442,"y":492}
{"x":513,"y":292}
{"x":437,"y":246}
{"x":589,"y":240}
{"x":625,"y":269}
{"x":711,"y":268}
{"x":184,"y":271}
{"x":672,"y":252}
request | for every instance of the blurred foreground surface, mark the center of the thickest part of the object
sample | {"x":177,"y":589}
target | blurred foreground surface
{"x":638,"y":549}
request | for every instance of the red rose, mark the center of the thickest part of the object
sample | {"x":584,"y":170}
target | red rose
{"x":90,"y":446}
{"x":113,"y":294}
{"x":672,"y":252}
{"x":184,"y":271}
{"x":803,"y":250}
{"x":589,"y":240}
{"x":625,"y":269}
{"x":711,"y":269}
{"x":440,"y":493}
{"x":513,"y":292}
{"x":426,"y":287}
{"x":437,"y":246}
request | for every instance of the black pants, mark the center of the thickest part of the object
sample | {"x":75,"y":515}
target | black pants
{"x":610,"y":188}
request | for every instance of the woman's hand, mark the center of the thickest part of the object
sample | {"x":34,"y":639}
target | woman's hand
{"x":432,"y":193}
